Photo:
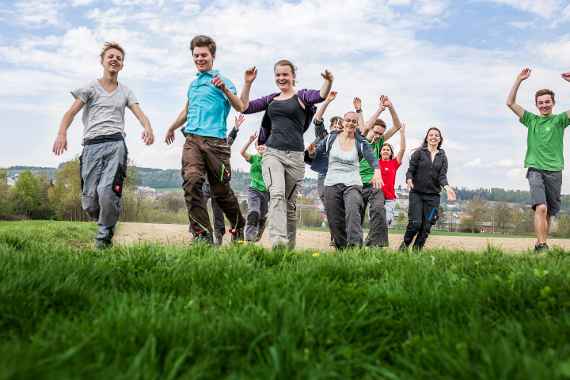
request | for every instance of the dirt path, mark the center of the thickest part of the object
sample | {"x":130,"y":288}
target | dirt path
{"x":132,"y":233}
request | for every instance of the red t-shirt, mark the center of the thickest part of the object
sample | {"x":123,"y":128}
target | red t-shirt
{"x":389,"y":168}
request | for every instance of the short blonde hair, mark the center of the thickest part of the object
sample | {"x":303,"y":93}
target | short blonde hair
{"x":111,"y":45}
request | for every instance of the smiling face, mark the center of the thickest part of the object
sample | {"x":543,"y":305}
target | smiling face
{"x":203,"y":58}
{"x":386,"y":152}
{"x":433,"y":138}
{"x":284,"y":77}
{"x":545,"y":104}
{"x":112,"y":61}
{"x":350,"y":122}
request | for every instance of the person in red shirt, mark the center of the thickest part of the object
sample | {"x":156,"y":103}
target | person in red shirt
{"x":389,"y":165}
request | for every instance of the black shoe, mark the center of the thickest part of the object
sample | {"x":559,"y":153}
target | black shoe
{"x":403,"y":247}
{"x":237,"y":235}
{"x":218,"y":237}
{"x":102,"y":244}
{"x":541,"y":248}
{"x":204,"y":237}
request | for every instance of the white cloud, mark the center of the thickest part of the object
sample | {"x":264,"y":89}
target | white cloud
{"x":543,"y":8}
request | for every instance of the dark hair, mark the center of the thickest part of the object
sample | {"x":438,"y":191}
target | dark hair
{"x":425,"y":143}
{"x":544,"y":91}
{"x":380,"y":122}
{"x":109,"y":46}
{"x":391,"y":150}
{"x":335,"y":119}
{"x":201,"y":41}
{"x":286,"y":62}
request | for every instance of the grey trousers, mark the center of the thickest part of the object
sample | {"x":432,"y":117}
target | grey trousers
{"x":257,"y":207}
{"x":283,"y":174}
{"x":103,"y":170}
{"x":344,"y":207}
{"x":378,"y":229}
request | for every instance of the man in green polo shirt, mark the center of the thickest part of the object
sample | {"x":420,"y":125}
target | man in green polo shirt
{"x":544,"y":155}
{"x":257,"y":194}
{"x":375,"y":132}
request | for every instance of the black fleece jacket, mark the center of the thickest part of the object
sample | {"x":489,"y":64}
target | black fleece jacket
{"x":428,"y":177}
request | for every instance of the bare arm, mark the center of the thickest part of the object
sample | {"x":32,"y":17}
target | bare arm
{"x":323,"y":107}
{"x":357,"y":103}
{"x":249,"y":77}
{"x":147,"y":135}
{"x":396,"y":125}
{"x":243,"y":150}
{"x":402,"y":143}
{"x":60,"y":144}
{"x":512,"y":99}
{"x":180,"y":120}
{"x":370,"y":123}
{"x":327,"y":84}
{"x":566,"y":77}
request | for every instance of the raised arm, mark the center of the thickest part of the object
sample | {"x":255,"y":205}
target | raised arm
{"x":249,"y":77}
{"x":370,"y":123}
{"x":180,"y":120}
{"x":147,"y":135}
{"x":238,"y":121}
{"x":323,"y":107}
{"x":235,"y":100}
{"x":400,"y":155}
{"x":357,"y":103}
{"x":243,"y":150}
{"x":396,"y":125}
{"x":327,"y":84}
{"x":512,"y":99}
{"x":60,"y":144}
{"x":566,"y":77}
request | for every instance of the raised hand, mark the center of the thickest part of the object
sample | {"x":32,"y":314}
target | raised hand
{"x":219,"y":83}
{"x":566,"y":76}
{"x":238,"y":120}
{"x":331,"y":96}
{"x":386,"y":103}
{"x":169,"y":138}
{"x":60,"y":144}
{"x":327,"y":75}
{"x":253,"y":137}
{"x":524,"y":74}
{"x":250,"y":75}
{"x":147,"y":136}
{"x":357,"y":103}
{"x":381,"y":106}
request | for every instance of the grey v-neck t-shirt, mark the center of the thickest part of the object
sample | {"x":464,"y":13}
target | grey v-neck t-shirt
{"x":104,"y":112}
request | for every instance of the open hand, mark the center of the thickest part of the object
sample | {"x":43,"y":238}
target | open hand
{"x":357,"y":102}
{"x":386,"y":103}
{"x":147,"y":136}
{"x":169,"y":138}
{"x":381,"y":106}
{"x":376,"y":181}
{"x":238,"y":120}
{"x":60,"y":144}
{"x":566,"y":76}
{"x":327,"y":75}
{"x":253,"y":137}
{"x":250,"y":75}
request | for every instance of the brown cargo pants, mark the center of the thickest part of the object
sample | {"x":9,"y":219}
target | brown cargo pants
{"x":208,"y":156}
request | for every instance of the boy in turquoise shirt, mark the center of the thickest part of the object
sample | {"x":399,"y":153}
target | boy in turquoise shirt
{"x":257,"y":194}
{"x":544,"y":156}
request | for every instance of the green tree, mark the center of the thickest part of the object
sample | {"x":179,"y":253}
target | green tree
{"x":5,"y":204}
{"x":65,"y":194}
{"x":30,"y":196}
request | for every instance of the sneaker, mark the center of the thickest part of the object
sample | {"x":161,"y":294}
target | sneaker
{"x":218,"y":238}
{"x":237,"y":235}
{"x":102,"y":244}
{"x":204,"y":237}
{"x":541,"y":247}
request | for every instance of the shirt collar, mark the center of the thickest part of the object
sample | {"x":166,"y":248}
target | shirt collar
{"x":211,"y":73}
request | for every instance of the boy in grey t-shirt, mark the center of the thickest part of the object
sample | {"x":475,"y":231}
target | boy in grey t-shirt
{"x":104,"y":158}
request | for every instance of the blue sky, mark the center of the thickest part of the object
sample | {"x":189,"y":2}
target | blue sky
{"x":444,"y":63}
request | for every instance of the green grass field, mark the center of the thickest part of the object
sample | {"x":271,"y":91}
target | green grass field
{"x":242,"y":312}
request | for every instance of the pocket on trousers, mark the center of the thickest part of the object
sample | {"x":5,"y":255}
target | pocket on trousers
{"x":119,"y":180}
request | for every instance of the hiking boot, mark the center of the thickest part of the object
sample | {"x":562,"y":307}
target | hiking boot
{"x":204,"y":237}
{"x":218,"y":238}
{"x":102,"y":244}
{"x":541,"y":248}
{"x":236,"y":234}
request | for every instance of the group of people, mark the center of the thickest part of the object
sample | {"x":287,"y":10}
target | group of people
{"x":356,"y":166}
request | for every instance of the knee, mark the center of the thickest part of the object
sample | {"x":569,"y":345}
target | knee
{"x":541,"y":209}
{"x":253,"y":218}
{"x":415,"y":224}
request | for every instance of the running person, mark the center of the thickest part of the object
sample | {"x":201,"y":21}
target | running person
{"x":342,"y":153}
{"x":288,"y":115}
{"x":426,"y":176}
{"x":389,"y":166}
{"x":206,"y":151}
{"x":544,"y":155}
{"x":376,"y":135}
{"x":103,"y":161}
{"x":257,"y":194}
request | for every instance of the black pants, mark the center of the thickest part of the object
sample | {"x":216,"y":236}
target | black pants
{"x":378,"y":229}
{"x":344,"y":205}
{"x":422,"y":214}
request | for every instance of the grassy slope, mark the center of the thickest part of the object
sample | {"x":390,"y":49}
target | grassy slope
{"x":151,"y":312}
